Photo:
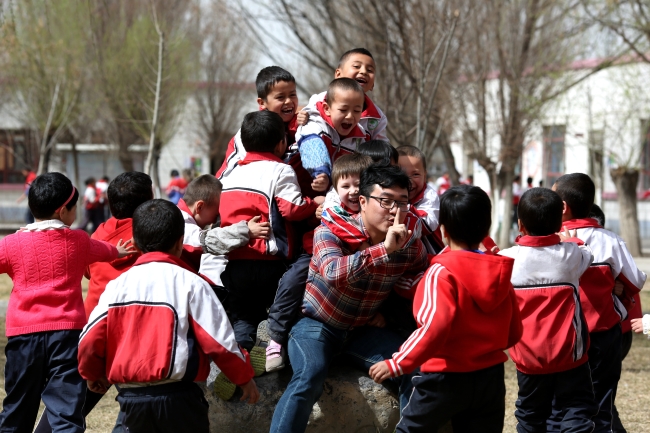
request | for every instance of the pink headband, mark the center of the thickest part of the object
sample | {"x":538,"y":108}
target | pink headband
{"x":67,"y":201}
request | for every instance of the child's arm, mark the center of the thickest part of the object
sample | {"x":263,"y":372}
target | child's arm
{"x":291,"y":204}
{"x":625,"y":270}
{"x":345,"y":227}
{"x":429,"y":209}
{"x":315,"y":157}
{"x":433,"y":327}
{"x":92,"y":341}
{"x":102,"y":251}
{"x":222,"y":240}
{"x":641,"y":325}
{"x":215,"y":335}
{"x":4,"y":262}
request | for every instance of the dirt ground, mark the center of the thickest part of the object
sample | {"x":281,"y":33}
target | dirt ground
{"x":633,"y":399}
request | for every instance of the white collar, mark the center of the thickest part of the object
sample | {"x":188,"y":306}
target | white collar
{"x":44,"y":225}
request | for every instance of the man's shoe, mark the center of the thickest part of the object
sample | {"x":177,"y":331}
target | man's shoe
{"x":223,"y":387}
{"x":275,"y":357}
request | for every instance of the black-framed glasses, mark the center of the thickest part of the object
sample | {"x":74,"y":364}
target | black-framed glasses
{"x":389,"y":203}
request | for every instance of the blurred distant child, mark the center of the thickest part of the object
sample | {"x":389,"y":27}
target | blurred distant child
{"x":551,"y":357}
{"x":467,"y":315}
{"x":46,"y":262}
{"x":176,"y":187}
{"x":155,"y":330}
{"x":260,"y":185}
{"x":603,"y":309}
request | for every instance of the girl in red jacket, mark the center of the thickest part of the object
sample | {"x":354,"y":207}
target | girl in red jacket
{"x":467,"y":315}
{"x":46,"y":261}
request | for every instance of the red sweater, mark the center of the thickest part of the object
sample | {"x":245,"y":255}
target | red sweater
{"x":100,"y":273}
{"x":467,"y":315}
{"x":46,"y":268}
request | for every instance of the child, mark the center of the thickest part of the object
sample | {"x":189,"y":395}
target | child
{"x":359,"y":65}
{"x":176,"y":187}
{"x":602,"y":308}
{"x":381,"y":152}
{"x":200,"y":208}
{"x":546,"y":278}
{"x":276,"y":92}
{"x":332,"y":130}
{"x":291,"y":288}
{"x":422,"y":197}
{"x":260,"y":185}
{"x":46,"y":261}
{"x":91,"y":206}
{"x":154,"y":331}
{"x":467,"y":316}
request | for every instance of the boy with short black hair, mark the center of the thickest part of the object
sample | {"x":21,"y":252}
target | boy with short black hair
{"x":603,"y":309}
{"x":46,"y":261}
{"x":260,"y":185}
{"x":467,"y":315}
{"x":154,"y":331}
{"x":546,"y":278}
{"x":381,"y":152}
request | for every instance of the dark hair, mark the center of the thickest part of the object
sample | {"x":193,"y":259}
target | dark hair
{"x":466,"y":213}
{"x":349,"y":165}
{"x":261,"y":131}
{"x":380,"y":151}
{"x":205,"y":187}
{"x":529,"y":180}
{"x":269,"y":77}
{"x":578,"y":191}
{"x":342,"y":85}
{"x":597,"y":214}
{"x":408,"y":150}
{"x":128,"y":191}
{"x":348,"y":53}
{"x":157,"y":226}
{"x":174,"y":173}
{"x":106,"y":178}
{"x":540,"y":211}
{"x":89,"y":181}
{"x":383,"y":176}
{"x":48,"y":192}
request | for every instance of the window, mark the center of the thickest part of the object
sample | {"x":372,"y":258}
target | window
{"x":553,"y":153}
{"x":645,"y":153}
{"x":17,"y":151}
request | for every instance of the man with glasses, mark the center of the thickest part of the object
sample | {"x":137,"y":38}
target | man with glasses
{"x":344,"y":291}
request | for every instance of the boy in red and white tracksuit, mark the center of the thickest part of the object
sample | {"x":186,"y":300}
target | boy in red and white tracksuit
{"x":260,"y":185}
{"x":155,"y":330}
{"x":603,"y":309}
{"x":467,"y":315}
{"x":551,"y":357}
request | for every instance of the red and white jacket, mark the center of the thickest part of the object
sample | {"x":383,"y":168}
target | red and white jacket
{"x":262,"y":185}
{"x":546,"y":278}
{"x":373,"y":120}
{"x":612,"y":260}
{"x":209,"y":266}
{"x":426,"y":205}
{"x":159,"y":322}
{"x":467,"y":315}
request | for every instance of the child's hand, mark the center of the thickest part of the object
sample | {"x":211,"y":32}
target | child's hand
{"x":378,"y":321}
{"x":320,"y":183}
{"x":302,"y":118}
{"x":99,"y":386}
{"x":379,"y":372}
{"x":319,"y":212}
{"x":637,"y":325}
{"x":567,"y":234}
{"x":258,"y":230}
{"x":251,"y":394}
{"x":319,"y":199}
{"x":618,"y":287}
{"x":126,"y":248}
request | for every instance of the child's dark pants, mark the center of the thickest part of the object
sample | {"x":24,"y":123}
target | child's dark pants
{"x":288,"y":299}
{"x":169,"y":408}
{"x":43,"y":365}
{"x":573,"y":393}
{"x":473,"y":401}
{"x":251,"y":286}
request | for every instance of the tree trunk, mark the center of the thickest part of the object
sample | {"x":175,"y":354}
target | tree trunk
{"x":125,"y":157}
{"x":450,"y":161}
{"x":504,"y":182}
{"x":626,"y":180}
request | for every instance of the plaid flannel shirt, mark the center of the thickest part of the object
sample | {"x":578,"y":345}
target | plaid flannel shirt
{"x":345,"y":288}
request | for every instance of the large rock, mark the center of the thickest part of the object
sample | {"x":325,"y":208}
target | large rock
{"x":351,"y":403}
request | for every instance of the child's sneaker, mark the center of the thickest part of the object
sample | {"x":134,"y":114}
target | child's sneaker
{"x":275,"y":356}
{"x":258,"y":360}
{"x":223,"y":387}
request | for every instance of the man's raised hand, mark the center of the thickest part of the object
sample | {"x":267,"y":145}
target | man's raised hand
{"x":397,"y":234}
{"x":258,"y":230}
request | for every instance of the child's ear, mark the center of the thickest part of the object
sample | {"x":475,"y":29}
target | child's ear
{"x":198,"y":206}
{"x":337,"y":73}
{"x":362,"y":202}
{"x":326,"y":108}
{"x":521,"y":227}
{"x":261,"y":103}
{"x":565,"y":208}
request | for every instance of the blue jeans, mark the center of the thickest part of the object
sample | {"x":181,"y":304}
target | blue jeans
{"x":312,"y":346}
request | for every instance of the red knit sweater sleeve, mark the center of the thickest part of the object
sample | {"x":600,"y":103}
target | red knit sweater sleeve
{"x":100,"y":251}
{"x":4,"y":263}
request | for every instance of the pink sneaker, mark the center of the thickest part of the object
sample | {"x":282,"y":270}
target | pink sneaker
{"x":275,"y":356}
